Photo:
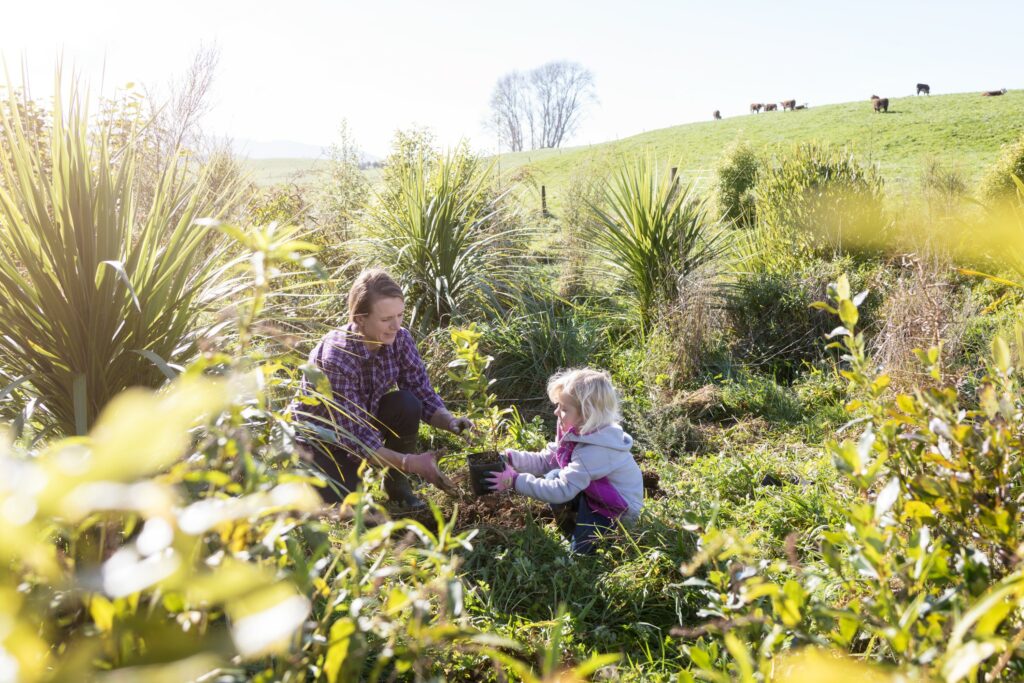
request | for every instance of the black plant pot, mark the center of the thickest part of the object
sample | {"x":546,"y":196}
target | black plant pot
{"x":482,"y":466}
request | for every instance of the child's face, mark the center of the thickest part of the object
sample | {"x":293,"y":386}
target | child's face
{"x":567,"y":413}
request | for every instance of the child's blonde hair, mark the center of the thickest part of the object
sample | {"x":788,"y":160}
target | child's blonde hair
{"x":593,"y":394}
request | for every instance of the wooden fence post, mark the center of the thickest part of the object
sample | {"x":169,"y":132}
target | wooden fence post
{"x":543,"y":201}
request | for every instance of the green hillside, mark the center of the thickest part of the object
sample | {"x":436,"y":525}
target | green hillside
{"x":273,"y":171}
{"x":964,"y":130}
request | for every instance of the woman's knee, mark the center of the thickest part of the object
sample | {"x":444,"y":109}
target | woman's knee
{"x":400,"y":411}
{"x":401,"y":404}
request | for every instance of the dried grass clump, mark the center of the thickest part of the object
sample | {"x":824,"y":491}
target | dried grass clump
{"x":923,"y":308}
{"x":685,"y":332}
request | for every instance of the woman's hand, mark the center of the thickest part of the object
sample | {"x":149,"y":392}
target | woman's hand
{"x":460,"y":425}
{"x":425,"y":465}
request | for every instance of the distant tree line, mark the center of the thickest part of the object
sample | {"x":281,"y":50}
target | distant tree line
{"x":541,"y":108}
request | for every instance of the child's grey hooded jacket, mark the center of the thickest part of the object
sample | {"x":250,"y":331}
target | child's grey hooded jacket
{"x":604,"y":453}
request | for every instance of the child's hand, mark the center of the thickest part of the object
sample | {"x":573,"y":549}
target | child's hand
{"x":504,"y":480}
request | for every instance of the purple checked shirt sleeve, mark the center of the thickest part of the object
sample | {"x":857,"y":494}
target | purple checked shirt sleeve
{"x":349,"y":412}
{"x":412,"y":375}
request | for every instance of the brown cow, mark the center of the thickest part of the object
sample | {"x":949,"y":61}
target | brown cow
{"x":924,"y":88}
{"x":756,"y":108}
{"x":771,"y":107}
{"x":788,"y":104}
{"x":994,"y":93}
{"x":717,"y":115}
{"x":881,"y":104}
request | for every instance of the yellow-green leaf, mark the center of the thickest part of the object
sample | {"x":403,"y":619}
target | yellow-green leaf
{"x":1001,"y":354}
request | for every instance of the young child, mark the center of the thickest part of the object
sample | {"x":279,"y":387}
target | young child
{"x":589,"y":468}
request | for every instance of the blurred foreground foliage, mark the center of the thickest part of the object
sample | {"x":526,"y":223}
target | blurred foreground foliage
{"x":181,"y":537}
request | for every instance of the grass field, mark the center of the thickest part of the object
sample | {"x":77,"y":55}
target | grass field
{"x":273,"y":171}
{"x":963,"y":130}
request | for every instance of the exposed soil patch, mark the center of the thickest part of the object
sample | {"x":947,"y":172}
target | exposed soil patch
{"x":501,"y":511}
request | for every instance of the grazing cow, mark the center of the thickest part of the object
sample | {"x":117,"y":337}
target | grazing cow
{"x":756,"y":108}
{"x":717,"y":115}
{"x":993,"y":93}
{"x":881,"y":104}
{"x":924,"y":88}
{"x":788,"y":104}
{"x":801,"y":106}
{"x":771,"y":107}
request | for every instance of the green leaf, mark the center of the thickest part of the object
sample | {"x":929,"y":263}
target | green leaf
{"x":80,"y":402}
{"x":1001,"y":354}
{"x":964,"y":661}
{"x":848,"y":313}
{"x":595,"y":662}
{"x":119,"y":269}
{"x":700,"y":657}
{"x":843,"y":287}
{"x":741,"y":655}
{"x":170,"y":372}
{"x":102,"y":612}
{"x":337,"y":649}
{"x":14,"y":385}
{"x":887,"y":497}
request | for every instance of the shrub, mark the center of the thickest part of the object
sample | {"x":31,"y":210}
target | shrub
{"x":439,"y":229}
{"x":735,"y":179}
{"x":281,"y":203}
{"x":751,"y":394}
{"x":650,"y":231}
{"x":998,"y":185}
{"x":686,"y":334}
{"x":341,"y":191}
{"x":823,"y":200}
{"x":667,"y":429}
{"x":926,"y":555}
{"x":582,"y":191}
{"x":775,"y":330}
{"x":926,"y":306}
{"x":98,"y":293}
{"x":542,"y":335}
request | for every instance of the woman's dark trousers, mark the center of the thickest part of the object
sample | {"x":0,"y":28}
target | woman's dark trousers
{"x":398,"y":420}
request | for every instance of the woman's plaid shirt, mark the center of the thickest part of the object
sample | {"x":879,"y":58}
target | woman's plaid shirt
{"x":358,"y":380}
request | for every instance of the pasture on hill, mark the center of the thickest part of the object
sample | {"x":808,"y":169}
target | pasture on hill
{"x":963,"y":130}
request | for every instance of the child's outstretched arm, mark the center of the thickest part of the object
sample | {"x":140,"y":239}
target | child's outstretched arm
{"x":559,"y":488}
{"x":538,"y":463}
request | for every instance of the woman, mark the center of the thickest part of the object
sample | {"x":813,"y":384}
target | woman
{"x":380,"y":392}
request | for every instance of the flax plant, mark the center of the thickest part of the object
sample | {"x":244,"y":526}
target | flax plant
{"x":444,"y":234}
{"x":97,"y":293}
{"x":651,"y":231}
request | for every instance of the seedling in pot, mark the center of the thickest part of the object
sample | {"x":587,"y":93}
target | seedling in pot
{"x":469,"y":372}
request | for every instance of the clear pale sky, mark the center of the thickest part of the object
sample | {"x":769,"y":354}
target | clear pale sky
{"x":294,"y":70}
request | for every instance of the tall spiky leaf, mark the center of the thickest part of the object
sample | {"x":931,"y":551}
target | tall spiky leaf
{"x":92,"y":285}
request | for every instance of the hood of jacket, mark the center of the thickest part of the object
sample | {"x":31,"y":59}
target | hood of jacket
{"x":611,"y":437}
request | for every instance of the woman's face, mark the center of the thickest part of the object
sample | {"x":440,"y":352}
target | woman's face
{"x":567,"y":413}
{"x":382,"y":323}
